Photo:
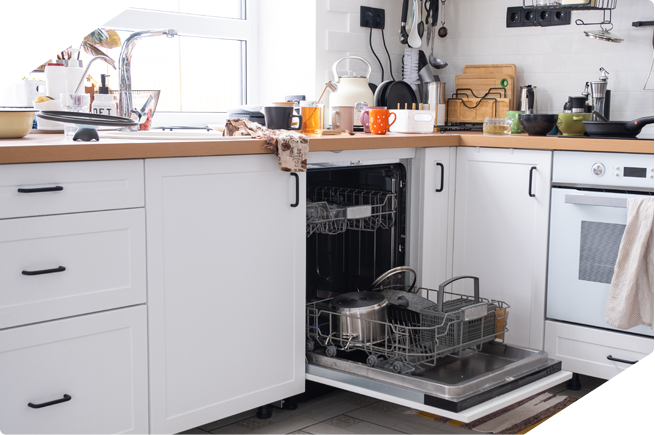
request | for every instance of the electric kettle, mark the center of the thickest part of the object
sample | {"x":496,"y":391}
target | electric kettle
{"x":351,"y":89}
{"x":528,"y":99}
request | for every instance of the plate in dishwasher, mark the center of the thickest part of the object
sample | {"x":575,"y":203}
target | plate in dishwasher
{"x":453,"y":385}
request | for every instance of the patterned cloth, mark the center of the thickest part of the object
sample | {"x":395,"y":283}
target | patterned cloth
{"x":290,"y":147}
{"x":630,"y":301}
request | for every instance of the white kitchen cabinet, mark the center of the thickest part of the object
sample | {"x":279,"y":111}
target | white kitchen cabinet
{"x":501,"y":232}
{"x":94,"y":366}
{"x":436,"y":214}
{"x":226,"y":287}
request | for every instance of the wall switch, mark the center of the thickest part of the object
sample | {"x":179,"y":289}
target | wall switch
{"x":371,"y":17}
{"x":518,"y":16}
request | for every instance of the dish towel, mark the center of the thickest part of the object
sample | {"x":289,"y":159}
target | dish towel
{"x":630,"y":301}
{"x":290,"y":147}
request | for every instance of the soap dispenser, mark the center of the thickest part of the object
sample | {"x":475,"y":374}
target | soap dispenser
{"x":104,"y":103}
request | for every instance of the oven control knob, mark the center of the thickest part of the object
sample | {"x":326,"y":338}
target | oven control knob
{"x":598,"y":169}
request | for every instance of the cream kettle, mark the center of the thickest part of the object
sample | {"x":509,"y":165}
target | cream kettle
{"x":351,"y":89}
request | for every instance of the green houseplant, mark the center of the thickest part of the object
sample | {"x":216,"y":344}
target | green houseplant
{"x":24,"y":21}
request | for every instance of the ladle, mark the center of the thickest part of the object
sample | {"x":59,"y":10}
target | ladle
{"x":432,"y":59}
{"x":414,"y":40}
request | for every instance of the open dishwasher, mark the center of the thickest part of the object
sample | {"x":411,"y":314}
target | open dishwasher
{"x":377,"y":333}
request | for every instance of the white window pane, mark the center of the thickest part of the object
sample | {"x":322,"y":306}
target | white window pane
{"x":210,"y":8}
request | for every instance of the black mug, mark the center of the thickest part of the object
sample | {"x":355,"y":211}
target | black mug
{"x":281,"y":117}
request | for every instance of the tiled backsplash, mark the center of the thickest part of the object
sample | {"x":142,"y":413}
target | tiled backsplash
{"x":558,"y":60}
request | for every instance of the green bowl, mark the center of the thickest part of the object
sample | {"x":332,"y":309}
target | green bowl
{"x":570,"y":124}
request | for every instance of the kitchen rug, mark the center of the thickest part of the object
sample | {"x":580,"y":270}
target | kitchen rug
{"x":547,"y":414}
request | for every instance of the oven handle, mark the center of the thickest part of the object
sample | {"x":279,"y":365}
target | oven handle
{"x":598,"y":201}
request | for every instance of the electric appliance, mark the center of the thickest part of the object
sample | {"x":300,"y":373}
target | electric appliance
{"x":588,"y":218}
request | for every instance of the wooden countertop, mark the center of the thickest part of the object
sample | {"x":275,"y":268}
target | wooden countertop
{"x":54,"y":148}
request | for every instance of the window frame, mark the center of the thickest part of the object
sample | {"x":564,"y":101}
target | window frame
{"x":245,"y":30}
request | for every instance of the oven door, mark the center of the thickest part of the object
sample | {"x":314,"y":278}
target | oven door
{"x":586,"y":228}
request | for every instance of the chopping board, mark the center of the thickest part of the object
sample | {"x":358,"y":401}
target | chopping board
{"x":480,"y":84}
{"x":507,"y":68}
{"x":474,"y":110}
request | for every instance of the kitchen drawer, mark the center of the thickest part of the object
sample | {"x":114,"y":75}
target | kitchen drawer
{"x":104,"y":258}
{"x":585,"y":350}
{"x":70,"y":187}
{"x":98,"y":360}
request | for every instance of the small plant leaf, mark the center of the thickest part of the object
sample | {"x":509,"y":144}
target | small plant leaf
{"x":92,"y":50}
{"x":96,"y":34}
{"x":18,"y":29}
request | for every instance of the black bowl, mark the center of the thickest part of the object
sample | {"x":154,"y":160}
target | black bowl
{"x":537,"y":124}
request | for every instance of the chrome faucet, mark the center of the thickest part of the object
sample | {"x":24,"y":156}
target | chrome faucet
{"x":124,"y":66}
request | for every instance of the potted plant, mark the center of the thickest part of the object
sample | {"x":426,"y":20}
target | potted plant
{"x":24,"y":19}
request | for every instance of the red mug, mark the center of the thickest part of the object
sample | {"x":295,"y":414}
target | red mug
{"x":379,"y":120}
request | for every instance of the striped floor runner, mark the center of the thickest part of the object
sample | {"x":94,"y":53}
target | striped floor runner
{"x":546,"y":414}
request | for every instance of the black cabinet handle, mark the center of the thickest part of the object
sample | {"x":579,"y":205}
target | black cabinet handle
{"x":44,"y":271}
{"x":532,"y":195}
{"x":293,"y":174}
{"x":442,"y":171}
{"x":40,"y":189}
{"x":66,"y":398}
{"x":611,"y":358}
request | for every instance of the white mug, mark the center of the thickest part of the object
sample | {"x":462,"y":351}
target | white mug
{"x":343,"y":118}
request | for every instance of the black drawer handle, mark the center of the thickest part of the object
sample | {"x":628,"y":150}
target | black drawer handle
{"x":44,"y":271}
{"x":442,"y":171}
{"x":293,"y":174}
{"x":66,"y":398}
{"x":611,"y":358}
{"x":41,"y":189}
{"x":532,"y":195}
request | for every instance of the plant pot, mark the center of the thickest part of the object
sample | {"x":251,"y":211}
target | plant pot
{"x":18,"y":59}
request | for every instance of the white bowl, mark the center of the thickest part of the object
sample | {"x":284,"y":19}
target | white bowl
{"x":15,"y":122}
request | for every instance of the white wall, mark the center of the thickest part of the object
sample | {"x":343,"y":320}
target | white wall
{"x":558,"y":60}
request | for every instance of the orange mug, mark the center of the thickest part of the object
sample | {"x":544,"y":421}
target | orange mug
{"x":379,"y":120}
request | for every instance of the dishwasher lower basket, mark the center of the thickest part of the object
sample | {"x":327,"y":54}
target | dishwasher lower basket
{"x":414,"y":337}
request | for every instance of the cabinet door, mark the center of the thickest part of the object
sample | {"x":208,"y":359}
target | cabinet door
{"x":85,"y":374}
{"x":501,"y":232}
{"x":226,"y":278}
{"x":436,"y":214}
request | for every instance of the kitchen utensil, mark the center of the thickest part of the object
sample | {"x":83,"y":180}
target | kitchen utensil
{"x":599,"y":117}
{"x":424,"y":70}
{"x":618,"y":129}
{"x":379,"y":121}
{"x":413,"y":121}
{"x":365,"y":117}
{"x":281,"y":118}
{"x":403,"y":23}
{"x":537,"y":125}
{"x":576,"y":104}
{"x":491,"y":85}
{"x":497,"y":126}
{"x":352,"y":88}
{"x":399,"y":92}
{"x":71,"y":102}
{"x":432,"y":59}
{"x":571,"y":124}
{"x":396,"y":278}
{"x":474,"y":110}
{"x":528,"y":99}
{"x":414,"y":39}
{"x":312,"y":115}
{"x":361,"y":318}
{"x":379,"y":94}
{"x":443,"y":31}
{"x":603,"y":34}
{"x":16,"y":122}
{"x":514,"y":116}
{"x":86,"y":122}
{"x":437,"y":101}
{"x":342,"y":118}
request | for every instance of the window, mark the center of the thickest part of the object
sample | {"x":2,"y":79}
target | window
{"x":206,"y":70}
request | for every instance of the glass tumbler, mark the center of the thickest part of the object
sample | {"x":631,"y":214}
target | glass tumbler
{"x":312,"y":116}
{"x":74,"y":103}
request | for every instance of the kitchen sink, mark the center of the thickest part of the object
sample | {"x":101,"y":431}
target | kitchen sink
{"x":170,"y":135}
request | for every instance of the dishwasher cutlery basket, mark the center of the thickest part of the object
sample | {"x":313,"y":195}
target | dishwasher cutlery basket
{"x":415,"y":335}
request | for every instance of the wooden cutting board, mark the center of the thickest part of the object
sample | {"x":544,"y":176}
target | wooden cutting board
{"x":480,"y":84}
{"x":507,"y":68}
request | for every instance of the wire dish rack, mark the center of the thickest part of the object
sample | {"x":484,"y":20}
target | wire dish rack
{"x":579,"y":5}
{"x":413,"y":337}
{"x":334,"y":210}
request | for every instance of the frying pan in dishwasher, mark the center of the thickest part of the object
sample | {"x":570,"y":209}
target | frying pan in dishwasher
{"x":616,"y":128}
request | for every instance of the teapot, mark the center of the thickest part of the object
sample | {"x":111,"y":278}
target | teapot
{"x":351,"y":89}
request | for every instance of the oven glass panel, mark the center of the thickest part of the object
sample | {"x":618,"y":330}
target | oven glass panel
{"x":634,"y":172}
{"x":599,"y":248}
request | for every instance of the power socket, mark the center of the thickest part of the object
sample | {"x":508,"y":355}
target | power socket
{"x":371,"y":17}
{"x":518,"y":16}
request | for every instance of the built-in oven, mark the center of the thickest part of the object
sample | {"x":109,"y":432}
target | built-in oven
{"x":588,"y":219}
{"x":363,"y":220}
